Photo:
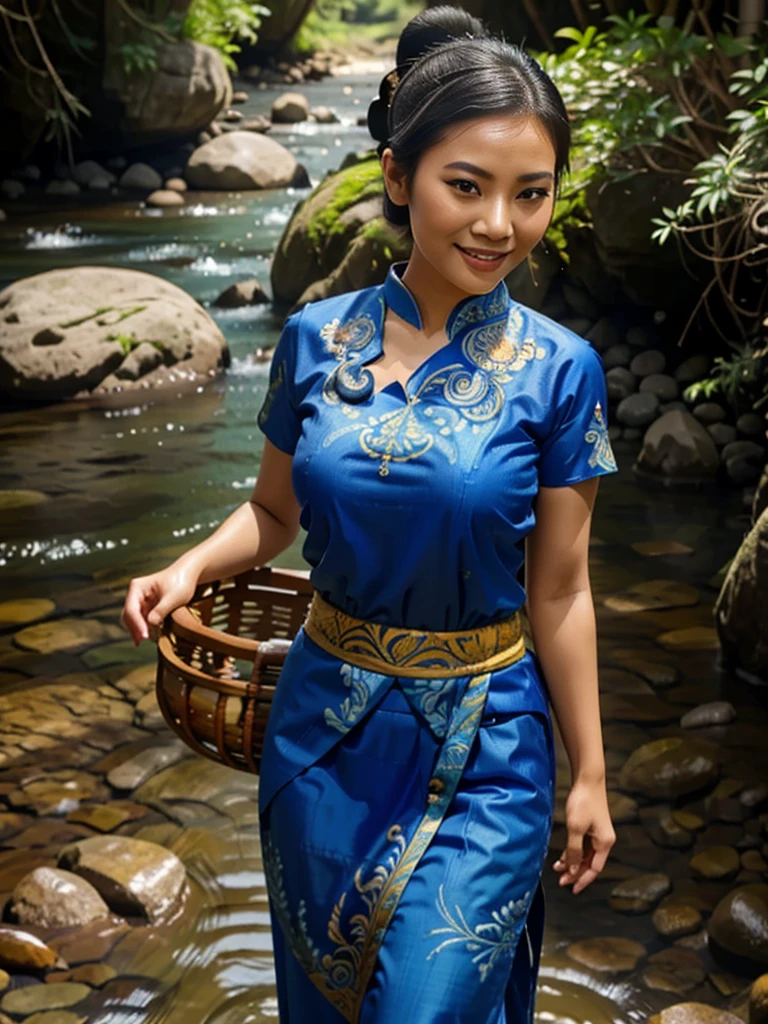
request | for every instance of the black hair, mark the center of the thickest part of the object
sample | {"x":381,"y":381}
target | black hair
{"x":449,"y":69}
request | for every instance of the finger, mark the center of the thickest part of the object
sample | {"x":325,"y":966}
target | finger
{"x":132,"y":617}
{"x":574,"y":851}
{"x":585,"y":879}
{"x":602,"y":848}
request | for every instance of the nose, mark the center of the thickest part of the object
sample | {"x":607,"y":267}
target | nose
{"x":495,"y":220}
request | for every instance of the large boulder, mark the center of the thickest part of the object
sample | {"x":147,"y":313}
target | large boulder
{"x":677,"y":449}
{"x":741,"y":609}
{"x":189,"y":86}
{"x":76,"y":332}
{"x":280,"y":25}
{"x":50,"y":898}
{"x":241,"y":160}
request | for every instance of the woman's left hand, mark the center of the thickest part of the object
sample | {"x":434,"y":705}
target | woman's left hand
{"x":590,"y":835}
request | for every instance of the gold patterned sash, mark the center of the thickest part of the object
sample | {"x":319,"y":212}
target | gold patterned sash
{"x":414,"y":653}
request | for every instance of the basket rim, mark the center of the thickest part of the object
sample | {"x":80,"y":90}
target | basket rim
{"x":182,"y":620}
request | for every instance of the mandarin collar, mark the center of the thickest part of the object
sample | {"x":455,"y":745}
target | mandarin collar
{"x":472,"y":309}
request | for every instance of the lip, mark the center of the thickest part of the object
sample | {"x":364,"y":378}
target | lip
{"x":483,"y":252}
{"x":481,"y":265}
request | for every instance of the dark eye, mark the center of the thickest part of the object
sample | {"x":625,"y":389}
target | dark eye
{"x":534,"y":193}
{"x":458,"y":182}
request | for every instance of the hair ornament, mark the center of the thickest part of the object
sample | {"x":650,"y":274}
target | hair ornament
{"x":393,"y":78}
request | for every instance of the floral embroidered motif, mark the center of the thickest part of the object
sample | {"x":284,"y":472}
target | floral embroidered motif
{"x":434,"y":698}
{"x":352,"y":707}
{"x":336,"y":974}
{"x":305,"y":950}
{"x":487,"y":941}
{"x":345,"y":343}
{"x":597,"y":435}
{"x":449,"y":400}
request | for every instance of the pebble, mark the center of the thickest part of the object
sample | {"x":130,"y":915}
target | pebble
{"x":34,"y":998}
{"x":666,"y":831}
{"x":673,"y":920}
{"x":694,"y":1013}
{"x":95,"y":975}
{"x":671,"y":767}
{"x":56,"y":1017}
{"x":758,"y":1001}
{"x":25,"y":610}
{"x":716,"y":862}
{"x":674,"y":970}
{"x":716,"y":712}
{"x":692,"y":638}
{"x":51,"y":898}
{"x":723,"y":802}
{"x":753,"y":860}
{"x":609,"y":955}
{"x":640,"y":894}
{"x":5,"y":980}
{"x":739,"y":926}
{"x":22,"y":951}
{"x":688,"y":820}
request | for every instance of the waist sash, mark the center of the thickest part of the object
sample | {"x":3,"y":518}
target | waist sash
{"x":414,"y":653}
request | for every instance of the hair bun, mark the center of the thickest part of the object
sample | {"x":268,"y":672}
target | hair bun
{"x":434,"y":26}
{"x":378,"y":124}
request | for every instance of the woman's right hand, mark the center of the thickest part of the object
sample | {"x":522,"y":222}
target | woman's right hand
{"x":151,"y":598}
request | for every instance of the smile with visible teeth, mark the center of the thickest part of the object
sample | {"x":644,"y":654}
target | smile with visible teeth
{"x":482,"y":256}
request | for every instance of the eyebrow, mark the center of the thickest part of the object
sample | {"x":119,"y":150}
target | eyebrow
{"x":463,"y":165}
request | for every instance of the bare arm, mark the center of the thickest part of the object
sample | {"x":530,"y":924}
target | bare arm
{"x":561,"y":613}
{"x":253,"y":534}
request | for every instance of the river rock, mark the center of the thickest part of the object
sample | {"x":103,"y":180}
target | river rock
{"x":758,"y":1001}
{"x":607,"y":955}
{"x":50,"y":898}
{"x":678,"y":449}
{"x":62,"y":188}
{"x":89,"y":170}
{"x":324,"y":115}
{"x":134,"y":877}
{"x":723,"y":803}
{"x":675,"y":918}
{"x":22,"y":611}
{"x":290,"y":108}
{"x":72,"y":635}
{"x":12,"y":189}
{"x":55,"y":1017}
{"x":716,"y":862}
{"x":671,"y":767}
{"x":738,"y":928}
{"x":242,"y":293}
{"x":241,"y":160}
{"x":640,"y":894}
{"x":620,"y":383}
{"x":667,"y":831}
{"x":648,"y":362}
{"x":142,"y":766}
{"x":661,"y":385}
{"x":694,"y":1013}
{"x":36,"y":998}
{"x":716,"y":712}
{"x":165,"y":197}
{"x":91,"y":317}
{"x":180,"y":96}
{"x":741,"y":608}
{"x":638,"y":410}
{"x":343,"y":213}
{"x":22,"y":951}
{"x":674,"y":970}
{"x":95,"y":975}
{"x":176,"y":185}
{"x":5,"y":980}
{"x":650,"y":595}
{"x":753,"y":860}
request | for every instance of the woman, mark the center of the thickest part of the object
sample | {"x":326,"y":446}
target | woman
{"x":427,"y":433}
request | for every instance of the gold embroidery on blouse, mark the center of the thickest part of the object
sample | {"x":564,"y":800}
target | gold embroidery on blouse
{"x":449,"y":400}
{"x":597,"y":435}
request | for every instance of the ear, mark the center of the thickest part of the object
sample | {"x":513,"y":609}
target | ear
{"x":394,"y":178}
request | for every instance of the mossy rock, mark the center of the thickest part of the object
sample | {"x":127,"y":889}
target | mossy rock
{"x":335,"y":236}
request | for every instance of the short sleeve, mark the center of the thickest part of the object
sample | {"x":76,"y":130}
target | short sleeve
{"x":578,"y":446}
{"x":279,"y":415}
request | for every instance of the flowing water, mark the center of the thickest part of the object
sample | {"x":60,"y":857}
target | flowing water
{"x":124,"y":488}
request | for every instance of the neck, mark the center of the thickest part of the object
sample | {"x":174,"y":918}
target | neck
{"x":435,"y":296}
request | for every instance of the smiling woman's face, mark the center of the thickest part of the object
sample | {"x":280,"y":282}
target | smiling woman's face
{"x":485,"y":189}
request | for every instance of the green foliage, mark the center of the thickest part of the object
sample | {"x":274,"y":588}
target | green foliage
{"x":342,"y":23}
{"x":738,"y":379}
{"x":224,"y":24}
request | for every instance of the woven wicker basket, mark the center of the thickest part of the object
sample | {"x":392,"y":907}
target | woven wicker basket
{"x":220,"y":656}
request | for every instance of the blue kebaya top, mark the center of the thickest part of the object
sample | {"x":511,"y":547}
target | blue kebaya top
{"x":416,"y":500}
